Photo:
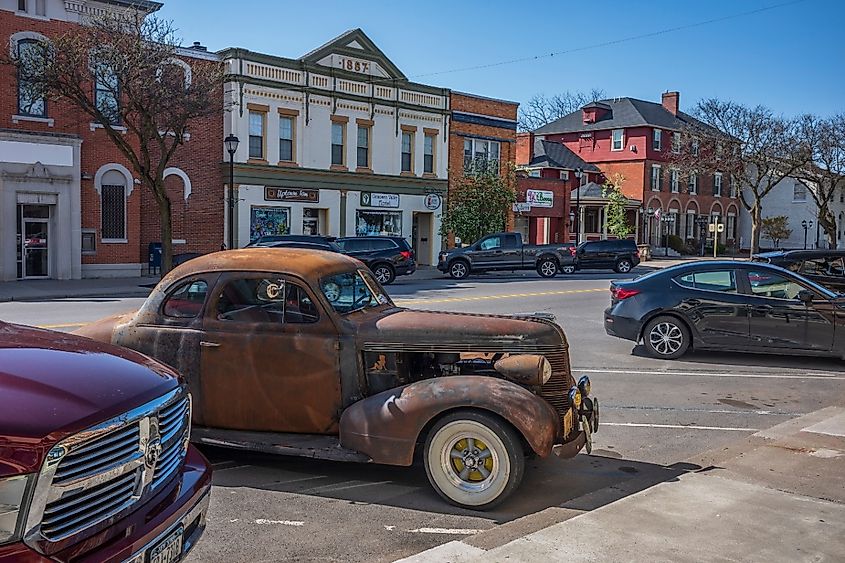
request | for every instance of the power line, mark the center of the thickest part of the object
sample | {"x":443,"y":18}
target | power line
{"x":614,"y":42}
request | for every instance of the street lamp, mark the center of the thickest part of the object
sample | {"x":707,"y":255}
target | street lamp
{"x":578,"y":173}
{"x":668,"y":220}
{"x":231,"y":143}
{"x":806,"y":226}
{"x":702,"y":221}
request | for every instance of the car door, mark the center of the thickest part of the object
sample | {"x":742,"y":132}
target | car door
{"x":489,"y":254}
{"x":779,"y":319}
{"x":358,"y":248}
{"x":589,"y":255}
{"x":511,"y":251}
{"x":715,"y":307}
{"x":269,"y":359}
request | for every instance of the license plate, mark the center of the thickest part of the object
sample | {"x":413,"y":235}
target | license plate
{"x":168,"y":550}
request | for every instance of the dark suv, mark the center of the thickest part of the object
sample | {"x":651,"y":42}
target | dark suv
{"x":619,"y":255}
{"x":825,"y":267}
{"x":387,"y":257}
{"x":313,"y":242}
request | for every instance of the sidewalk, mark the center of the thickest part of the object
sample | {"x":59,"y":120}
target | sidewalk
{"x":777,"y":496}
{"x":38,"y":290}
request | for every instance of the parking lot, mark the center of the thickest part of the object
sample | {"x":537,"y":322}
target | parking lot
{"x":656,"y":417}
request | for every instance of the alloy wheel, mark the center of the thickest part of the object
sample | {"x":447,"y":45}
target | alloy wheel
{"x":666,"y":338}
{"x":458,"y":270}
{"x":548,"y":268}
{"x":382,"y":274}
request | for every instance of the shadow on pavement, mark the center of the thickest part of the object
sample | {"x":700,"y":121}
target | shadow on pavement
{"x":733,"y":359}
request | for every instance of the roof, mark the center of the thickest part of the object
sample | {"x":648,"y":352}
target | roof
{"x":557,"y":155}
{"x":356,"y":43}
{"x":623,"y":112}
{"x":593,"y":191}
{"x":306,"y":264}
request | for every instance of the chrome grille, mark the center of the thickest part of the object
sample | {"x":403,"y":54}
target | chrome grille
{"x":100,"y":455}
{"x":173,"y":427}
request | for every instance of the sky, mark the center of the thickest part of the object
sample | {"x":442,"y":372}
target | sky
{"x":790,"y":58}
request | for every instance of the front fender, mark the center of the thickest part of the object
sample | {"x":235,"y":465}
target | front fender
{"x":387,"y":426}
{"x":103,"y":330}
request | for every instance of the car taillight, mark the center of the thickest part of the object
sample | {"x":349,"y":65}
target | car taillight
{"x":572,"y":251}
{"x":620,"y":293}
{"x":406,"y":254}
{"x":637,"y":253}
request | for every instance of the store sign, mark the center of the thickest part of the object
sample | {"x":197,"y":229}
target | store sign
{"x":433,"y":201}
{"x":370,"y":199}
{"x":521,"y":207}
{"x":291,"y":194}
{"x":539,"y":198}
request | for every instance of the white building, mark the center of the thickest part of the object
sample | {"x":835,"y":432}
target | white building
{"x":792,"y":199}
{"x":337,"y":142}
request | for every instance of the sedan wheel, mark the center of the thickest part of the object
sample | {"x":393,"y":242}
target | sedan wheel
{"x":568,"y":269}
{"x":384,"y":274}
{"x":473,"y":460}
{"x":547,"y":268}
{"x":666,"y":338}
{"x":459,"y":270}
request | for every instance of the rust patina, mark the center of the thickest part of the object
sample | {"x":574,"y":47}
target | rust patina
{"x":374,"y":380}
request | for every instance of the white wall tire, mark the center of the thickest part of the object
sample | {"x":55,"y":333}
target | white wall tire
{"x":473,"y":460}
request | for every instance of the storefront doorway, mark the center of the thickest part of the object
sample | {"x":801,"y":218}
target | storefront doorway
{"x":33,"y":241}
{"x":421,"y":237}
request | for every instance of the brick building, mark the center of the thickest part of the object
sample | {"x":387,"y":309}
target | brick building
{"x":70,"y":205}
{"x":482,"y":133}
{"x":635,"y":139}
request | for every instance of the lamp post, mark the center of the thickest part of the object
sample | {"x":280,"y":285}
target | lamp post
{"x":702,"y":221}
{"x":578,"y":173}
{"x":806,"y":226}
{"x":668,"y":220}
{"x":231,"y":143}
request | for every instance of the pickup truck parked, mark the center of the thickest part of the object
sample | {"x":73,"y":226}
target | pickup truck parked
{"x":506,"y":251}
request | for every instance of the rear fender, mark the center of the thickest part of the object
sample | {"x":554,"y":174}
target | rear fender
{"x":387,"y":426}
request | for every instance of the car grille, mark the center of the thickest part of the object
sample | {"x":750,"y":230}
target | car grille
{"x":100,"y":472}
{"x":556,"y":390}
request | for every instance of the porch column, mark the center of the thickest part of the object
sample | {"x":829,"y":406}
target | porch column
{"x":581,"y":229}
{"x":637,"y":226}
{"x":604,"y":223}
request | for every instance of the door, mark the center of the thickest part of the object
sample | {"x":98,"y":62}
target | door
{"x":511,"y":251}
{"x":269,"y":357}
{"x":488,"y":254}
{"x":715,"y":307}
{"x":36,"y":248}
{"x":422,"y":238}
{"x":779,"y":319}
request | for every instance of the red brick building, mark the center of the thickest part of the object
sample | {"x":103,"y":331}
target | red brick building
{"x":635,"y":139}
{"x":70,"y":205}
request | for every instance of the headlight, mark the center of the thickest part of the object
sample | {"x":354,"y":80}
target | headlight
{"x":14,"y":496}
{"x":584,"y":386}
{"x":526,"y":369}
{"x":575,"y":398}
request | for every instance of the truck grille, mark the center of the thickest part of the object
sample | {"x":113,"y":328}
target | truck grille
{"x":101,"y":472}
{"x":556,"y":390}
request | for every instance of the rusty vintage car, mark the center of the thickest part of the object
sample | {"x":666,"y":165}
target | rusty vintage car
{"x":302,"y":352}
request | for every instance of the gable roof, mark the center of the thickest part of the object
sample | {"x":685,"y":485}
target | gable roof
{"x":556,"y":155}
{"x":593,"y":191}
{"x":623,"y":112}
{"x":354,"y":43}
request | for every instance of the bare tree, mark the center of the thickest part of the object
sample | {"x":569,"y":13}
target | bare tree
{"x":122,"y":69}
{"x":541,"y":109}
{"x":825,"y":139}
{"x":753,"y":147}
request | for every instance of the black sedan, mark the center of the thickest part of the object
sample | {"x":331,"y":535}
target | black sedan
{"x":736,"y":306}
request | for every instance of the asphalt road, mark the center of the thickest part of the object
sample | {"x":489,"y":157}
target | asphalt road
{"x":655,"y":415}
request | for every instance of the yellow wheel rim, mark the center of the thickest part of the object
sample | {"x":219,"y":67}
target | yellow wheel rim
{"x":480,"y":454}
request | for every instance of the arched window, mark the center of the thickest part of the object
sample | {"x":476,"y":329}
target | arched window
{"x":31,"y":99}
{"x":113,"y":194}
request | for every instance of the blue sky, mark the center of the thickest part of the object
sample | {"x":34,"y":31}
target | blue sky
{"x":791,"y":58}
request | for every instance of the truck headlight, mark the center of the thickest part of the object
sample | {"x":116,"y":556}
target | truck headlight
{"x":527,"y":369}
{"x":14,"y":499}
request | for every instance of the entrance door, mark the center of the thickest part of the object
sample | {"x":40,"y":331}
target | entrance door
{"x":34,"y":241}
{"x":422,"y":238}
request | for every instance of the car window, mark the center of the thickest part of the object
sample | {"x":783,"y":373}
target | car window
{"x":353,"y":245}
{"x":382,"y":244}
{"x":252,"y":300}
{"x":823,"y":267}
{"x":299,"y":308}
{"x":352,"y":291}
{"x":491,"y":243}
{"x":187,"y":301}
{"x":511,"y":241}
{"x":723,"y":281}
{"x":770,"y":284}
{"x":686,"y":280}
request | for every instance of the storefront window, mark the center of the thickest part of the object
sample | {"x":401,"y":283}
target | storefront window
{"x":265,"y":221}
{"x":384,"y":223}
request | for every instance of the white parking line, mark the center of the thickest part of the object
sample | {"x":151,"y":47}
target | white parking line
{"x":453,"y":531}
{"x":340,"y":487}
{"x":682,"y":426}
{"x":832,"y":377}
{"x":296,"y":523}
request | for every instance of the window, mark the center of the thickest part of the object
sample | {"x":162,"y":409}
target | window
{"x":564,"y":174}
{"x":407,"y":152}
{"x":428,"y":155}
{"x":618,"y":140}
{"x":723,"y":281}
{"x":252,"y":300}
{"x":40,"y":7}
{"x":89,"y":241}
{"x":481,"y":156}
{"x":256,"y":135}
{"x":113,"y":209}
{"x":656,"y":178}
{"x":657,"y":139}
{"x":31,"y":99}
{"x":378,"y":223}
{"x":799,"y":192}
{"x":22,"y":5}
{"x":585,"y":179}
{"x":286,"y":138}
{"x":534,"y":173}
{"x":732,"y":185}
{"x":832,"y":267}
{"x":717,"y":184}
{"x":490,"y":243}
{"x":363,"y":147}
{"x":695,"y":147}
{"x":693,"y":183}
{"x":352,"y":291}
{"x":299,"y":308}
{"x":268,"y":221}
{"x":690,"y":233}
{"x":676,"y":142}
{"x":107,"y":93}
{"x":187,"y":301}
{"x":730,"y":227}
{"x":769,"y":284}
{"x":338,"y":138}
{"x":674,"y":176}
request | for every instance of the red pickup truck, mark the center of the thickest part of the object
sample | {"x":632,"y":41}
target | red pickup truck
{"x":95,"y":463}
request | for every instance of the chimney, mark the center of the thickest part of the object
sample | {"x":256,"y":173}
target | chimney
{"x":197,"y":46}
{"x":672,"y":101}
{"x":524,"y":147}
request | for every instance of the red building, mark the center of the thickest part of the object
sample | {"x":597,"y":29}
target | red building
{"x":70,"y":205}
{"x":634,"y":139}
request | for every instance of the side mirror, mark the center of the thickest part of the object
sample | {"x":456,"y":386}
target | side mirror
{"x":806,"y":296}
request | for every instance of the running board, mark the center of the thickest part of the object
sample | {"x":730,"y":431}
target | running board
{"x":316,"y":446}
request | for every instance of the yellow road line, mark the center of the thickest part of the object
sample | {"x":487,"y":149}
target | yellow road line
{"x":64,"y":325}
{"x":491,"y":297}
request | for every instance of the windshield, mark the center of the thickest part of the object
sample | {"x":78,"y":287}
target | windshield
{"x":353,"y":291}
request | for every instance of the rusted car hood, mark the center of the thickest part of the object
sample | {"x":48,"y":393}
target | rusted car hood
{"x":461,"y":332}
{"x":54,"y":384}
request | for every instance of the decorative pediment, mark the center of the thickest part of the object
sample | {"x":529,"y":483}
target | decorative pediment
{"x":354,"y":52}
{"x":37,"y":173}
